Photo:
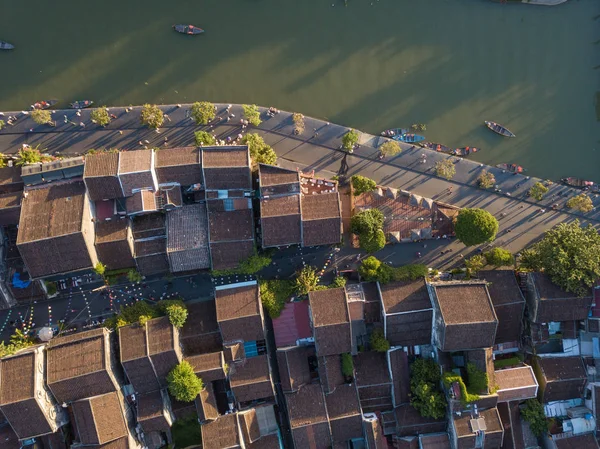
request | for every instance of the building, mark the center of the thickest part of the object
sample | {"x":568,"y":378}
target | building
{"x":133,"y":346}
{"x":560,"y":378}
{"x":101,"y":176}
{"x":136,"y":171}
{"x":163,"y":347}
{"x":482,"y":430}
{"x":321,"y":216}
{"x":294,"y":369}
{"x":209,"y":366}
{"x":374,"y":382}
{"x":178,"y":166}
{"x":99,"y":420}
{"x":250,"y":380}
{"x":56,"y":225}
{"x":187,"y":238}
{"x":308,"y":417}
{"x":114,"y":244}
{"x":516,"y":384}
{"x":10,"y":208}
{"x":330,"y":321}
{"x":200,"y":334}
{"x":345,"y":415}
{"x":155,"y":417}
{"x":239,"y":314}
{"x":150,"y":243}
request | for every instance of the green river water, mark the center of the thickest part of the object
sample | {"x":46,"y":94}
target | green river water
{"x":450,"y":64}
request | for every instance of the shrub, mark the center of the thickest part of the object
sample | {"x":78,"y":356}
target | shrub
{"x":372,"y":243}
{"x":203,"y":112}
{"x":152,"y":116}
{"x":538,"y":190}
{"x":378,"y":341}
{"x":177,"y":315}
{"x":475,"y":226}
{"x":28,"y":155}
{"x":581,"y":202}
{"x":350,"y":139}
{"x":18,"y":341}
{"x":347,"y":365}
{"x":41,"y":116}
{"x":369,"y":268}
{"x":486,"y":180}
{"x":533,"y":413}
{"x":362,"y":184}
{"x":100,"y":269}
{"x":2,"y":124}
{"x":445,"y":169}
{"x":307,"y":280}
{"x":474,"y":264}
{"x":503,"y":363}
{"x":426,"y":397}
{"x":51,"y":288}
{"x":410,"y":272}
{"x":477,"y":380}
{"x":134,"y":276}
{"x":390,"y":148}
{"x":254,"y":263}
{"x":298,"y":123}
{"x":100,"y":116}
{"x":499,"y":257}
{"x":466,"y":397}
{"x":338,"y":282}
{"x":367,"y":222}
{"x":2,"y":159}
{"x":260,"y":152}
{"x":204,"y":138}
{"x":183,"y":383}
{"x":274,"y":294}
{"x":252,"y":114}
{"x":132,"y":314}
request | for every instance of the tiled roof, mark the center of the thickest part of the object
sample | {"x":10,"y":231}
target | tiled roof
{"x":270,"y":175}
{"x":331,"y":321}
{"x":187,"y":238}
{"x":99,"y":419}
{"x":405,"y":296}
{"x":587,"y":441}
{"x":10,"y":175}
{"x":10,"y":206}
{"x":467,"y":435}
{"x":234,"y":351}
{"x":135,"y":161}
{"x":206,"y":404}
{"x":409,"y":329}
{"x":208,"y":366}
{"x":250,"y":379}
{"x":281,"y":231}
{"x":100,"y":176}
{"x":435,"y":441}
{"x":293,"y":367}
{"x":373,"y":432}
{"x":141,"y":201}
{"x":320,"y":206}
{"x":8,"y":437}
{"x":180,"y":165}
{"x":149,"y":247}
{"x":101,"y":164}
{"x":221,"y":433}
{"x":227,"y":255}
{"x":150,"y":225}
{"x":151,"y":412}
{"x":200,"y":333}
{"x":238,"y":313}
{"x":502,"y":286}
{"x":153,"y":264}
{"x":307,"y":406}
{"x":321,"y":219}
{"x":410,"y":422}
{"x":516,"y":384}
{"x":371,"y":368}
{"x":111,"y":231}
{"x":270,"y":441}
{"x":231,"y":225}
{"x":112,"y":244}
{"x":227,"y":178}
{"x":163,"y":346}
{"x":283,"y":205}
{"x":555,"y":304}
{"x":564,"y":378}
{"x":321,"y":232}
{"x":330,"y":373}
{"x":249,"y":425}
{"x":230,"y":156}
{"x":17,"y":380}
{"x":292,"y":324}
{"x":135,"y":360}
{"x":343,"y":409}
{"x":398,"y":362}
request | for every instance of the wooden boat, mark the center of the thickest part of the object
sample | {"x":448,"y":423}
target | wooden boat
{"x":394,"y":132}
{"x":409,"y":138}
{"x":438,"y":147}
{"x":6,"y":46}
{"x":513,"y":168}
{"x":580,"y":183}
{"x":499,"y":129}
{"x":465,"y":151}
{"x":44,"y":104}
{"x":82,"y":104}
{"x":188,"y":29}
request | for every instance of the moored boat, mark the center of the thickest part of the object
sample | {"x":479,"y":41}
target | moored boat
{"x":465,"y":151}
{"x":580,"y":183}
{"x":499,"y":129}
{"x":513,"y":168}
{"x":82,"y":104}
{"x":438,"y":147}
{"x":409,"y":138}
{"x":44,"y":104}
{"x":187,"y":29}
{"x":6,"y":46}
{"x":394,"y":132}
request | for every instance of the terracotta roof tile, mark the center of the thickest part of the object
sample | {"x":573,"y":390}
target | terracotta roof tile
{"x":564,"y":378}
{"x":227,"y":178}
{"x":410,"y":422}
{"x":238,"y":313}
{"x":587,"y":441}
{"x":409,"y":329}
{"x":281,"y":231}
{"x":221,"y":433}
{"x":250,"y":379}
{"x":180,"y":165}
{"x":99,"y":419}
{"x":206,"y":404}
{"x":17,"y":380}
{"x":555,"y":304}
{"x":227,"y":255}
{"x":154,"y":264}
{"x":329,"y":307}
{"x":321,"y":232}
{"x":249,"y":425}
{"x":200,"y":333}
{"x":230,"y":156}
{"x":398,"y":362}
{"x":231,"y":225}
{"x":271,"y":175}
{"x":307,"y":406}
{"x":151,"y":412}
{"x":516,"y":384}
{"x":101,"y":164}
{"x":149,"y":225}
{"x":403,"y":296}
{"x":135,"y":161}
{"x":293,"y":367}
{"x":277,"y":206}
{"x":10,"y":175}
{"x":208,"y":366}
{"x":371,"y":368}
{"x":320,"y":206}
{"x":330,"y":373}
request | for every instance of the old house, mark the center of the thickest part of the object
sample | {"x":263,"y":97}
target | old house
{"x":200,"y":334}
{"x":155,"y":417}
{"x":10,"y":208}
{"x":56,"y":224}
{"x":114,"y":244}
{"x":308,"y":417}
{"x":206,"y":404}
{"x":150,"y":244}
{"x":321,"y":217}
{"x":136,"y":171}
{"x":163,"y":347}
{"x":133,"y":345}
{"x":187,"y":238}
{"x":101,"y":176}
{"x":178,"y":166}
{"x":240,"y":315}
{"x":516,"y":384}
{"x":345,"y":416}
{"x":294,"y":368}
{"x":477,"y":430}
{"x":209,"y":366}
{"x":99,"y":419}
{"x":372,"y":377}
{"x":560,"y":378}
{"x":330,"y":321}
{"x":250,"y":380}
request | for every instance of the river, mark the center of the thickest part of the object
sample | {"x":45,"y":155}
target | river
{"x":450,"y":64}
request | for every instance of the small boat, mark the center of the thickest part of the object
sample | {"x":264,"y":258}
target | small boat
{"x":44,"y":104}
{"x":580,"y":183}
{"x":438,"y":147}
{"x":188,"y":29}
{"x":81,"y":104}
{"x":409,"y":138}
{"x":6,"y":46}
{"x":394,"y":132}
{"x":499,"y":129}
{"x":513,"y":168}
{"x":465,"y":151}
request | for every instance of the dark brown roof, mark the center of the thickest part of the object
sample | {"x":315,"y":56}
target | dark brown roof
{"x":371,"y":368}
{"x":307,"y":406}
{"x":180,"y":165}
{"x":10,"y":206}
{"x":135,"y":359}
{"x":231,"y":225}
{"x":238,"y":313}
{"x":331,"y":321}
{"x":234,"y":351}
{"x":77,"y":366}
{"x":314,"y":436}
{"x":405,"y":296}
{"x":187,"y":238}
{"x":221,"y":433}
{"x":163,"y":344}
{"x":99,"y":419}
{"x":270,"y":441}
{"x":206,"y":404}
{"x":493,"y":428}
{"x":321,"y":232}
{"x":373,"y":433}
{"x":200,"y":333}
{"x":155,"y":264}
{"x":398,"y":362}
{"x":281,"y":231}
{"x":293,"y":367}
{"x":516,"y":384}
{"x":249,"y":425}
{"x":409,"y":329}
{"x":563,"y":378}
{"x":410,"y":422}
{"x":150,"y":225}
{"x":318,"y":207}
{"x":587,"y":441}
{"x":101,"y":164}
{"x":10,"y":175}
{"x":27,"y":418}
{"x":141,"y":201}
{"x":227,"y":178}
{"x":435,"y":441}
{"x":250,"y":379}
{"x":150,"y":247}
{"x":17,"y":378}
{"x":277,"y":206}
{"x":554,"y":304}
{"x":208,"y":366}
{"x":134,"y":161}
{"x":151,"y":412}
{"x":227,"y":255}
{"x":503,"y":287}
{"x":8,"y":437}
{"x":230,"y":156}
{"x":344,"y":413}
{"x":112,"y":244}
{"x":100,"y":176}
{"x":330,"y":373}
{"x":270,"y":175}
{"x":111,"y":231}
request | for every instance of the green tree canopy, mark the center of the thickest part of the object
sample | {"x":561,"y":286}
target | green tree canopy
{"x":2,"y":124}
{"x":28,"y":155}
{"x":307,"y":280}
{"x":177,"y":315}
{"x":204,"y":138}
{"x":378,"y":341}
{"x":475,"y":226}
{"x":350,"y":139}
{"x":100,"y":116}
{"x":367,"y":222}
{"x":538,"y":190}
{"x":252,"y":114}
{"x":203,"y":112}
{"x":100,"y":269}
{"x":499,"y":257}
{"x":183,"y":383}
{"x":486,"y":180}
{"x":347,"y":365}
{"x":581,"y":202}
{"x":369,"y":268}
{"x":475,"y":263}
{"x":152,"y":116}
{"x":134,"y":276}
{"x":569,"y":254}
{"x":41,"y":116}
{"x":445,"y":169}
{"x":533,"y":413}
{"x":274,"y":294}
{"x":390,"y":148}
{"x":260,"y":152}
{"x":362,"y":184}
{"x":426,"y":396}
{"x":372,"y":243}
{"x":298,"y":123}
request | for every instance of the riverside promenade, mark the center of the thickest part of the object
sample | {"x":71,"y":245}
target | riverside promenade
{"x":522,"y":220}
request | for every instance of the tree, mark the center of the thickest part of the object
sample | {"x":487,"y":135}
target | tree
{"x":204,"y":138}
{"x":2,"y":160}
{"x":41,"y":116}
{"x":368,"y":269}
{"x":538,"y":190}
{"x":367,"y":222}
{"x":274,"y":294}
{"x":372,"y":242}
{"x":499,"y":257}
{"x":252,"y":114}
{"x":445,"y":169}
{"x":390,"y":148}
{"x":410,"y":272}
{"x":475,"y":226}
{"x":2,"y":124}
{"x":569,"y":254}
{"x":260,"y":152}
{"x":28,"y":155}
{"x":134,"y":276}
{"x":203,"y":112}
{"x":307,"y":280}
{"x":298,"y":123}
{"x":183,"y":383}
{"x":581,"y":202}
{"x":378,"y":341}
{"x":426,"y":396}
{"x":338,"y":282}
{"x":254,"y":263}
{"x":100,"y":116}
{"x":533,"y":413}
{"x":362,"y":184}
{"x":477,"y":380}
{"x":100,"y":269}
{"x":152,"y":116}
{"x":350,"y":139}
{"x":347,"y":365}
{"x":486,"y":180}
{"x":177,"y":315}
{"x":475,"y":263}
